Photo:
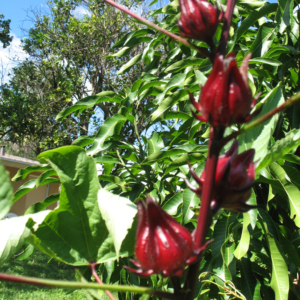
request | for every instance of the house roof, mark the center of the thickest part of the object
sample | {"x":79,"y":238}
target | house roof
{"x":16,"y":161}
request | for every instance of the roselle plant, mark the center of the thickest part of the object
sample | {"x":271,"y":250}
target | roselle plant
{"x":208,"y":209}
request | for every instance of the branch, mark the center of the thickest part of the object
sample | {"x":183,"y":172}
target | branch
{"x":94,"y":273}
{"x":226,"y":26}
{"x":82,"y":285}
{"x":173,"y":36}
{"x":205,"y":215}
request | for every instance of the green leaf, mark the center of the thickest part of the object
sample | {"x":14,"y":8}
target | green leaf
{"x":252,"y":212}
{"x":264,"y":33}
{"x":13,"y":233}
{"x":134,"y":34}
{"x":188,"y":62}
{"x":23,"y":173}
{"x":46,"y":177}
{"x":24,"y":189}
{"x":280,"y":277}
{"x":227,"y":256}
{"x":259,"y":137}
{"x":284,"y":14}
{"x":251,"y":4}
{"x":175,"y":81}
{"x":106,"y":159}
{"x":276,"y":51}
{"x":243,"y":246}
{"x":129,"y":64}
{"x":106,"y":130}
{"x":293,"y":115}
{"x":247,"y":278}
{"x":83,"y":140}
{"x":39,"y":206}
{"x":266,"y":61}
{"x":289,"y":190}
{"x":280,"y":148}
{"x":201,"y":78}
{"x":220,"y":236}
{"x":121,"y":52}
{"x":290,"y":250}
{"x":292,"y":158}
{"x":190,"y":200}
{"x":155,"y":144}
{"x":160,"y":155}
{"x":112,"y":179}
{"x":182,"y":160}
{"x":118,"y":213}
{"x":89,"y":101}
{"x":253,"y":17}
{"x":168,"y":103}
{"x":26,"y":253}
{"x":171,"y":205}
{"x":149,"y":85}
{"x":6,"y":192}
{"x":33,"y":184}
{"x":74,"y":232}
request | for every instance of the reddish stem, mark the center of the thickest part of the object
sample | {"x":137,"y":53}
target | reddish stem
{"x":215,"y":136}
{"x":175,"y":37}
{"x":94,"y":273}
{"x":204,"y":219}
{"x":226,"y":26}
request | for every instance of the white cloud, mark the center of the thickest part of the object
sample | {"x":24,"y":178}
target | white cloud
{"x":10,"y":57}
{"x":80,"y":11}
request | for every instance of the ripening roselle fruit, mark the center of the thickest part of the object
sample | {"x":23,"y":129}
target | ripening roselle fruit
{"x":199,"y":20}
{"x":226,"y":97}
{"x":235,"y":175}
{"x":162,"y":246}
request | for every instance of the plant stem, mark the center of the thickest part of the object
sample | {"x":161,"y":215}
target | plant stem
{"x":94,"y":273}
{"x":82,"y":285}
{"x":176,"y":285}
{"x":216,"y":134}
{"x":173,"y":36}
{"x":136,"y":131}
{"x":294,"y":99}
{"x":205,"y":217}
{"x":226,"y":26}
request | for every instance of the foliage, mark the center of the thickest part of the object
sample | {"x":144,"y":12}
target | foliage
{"x":66,"y":62}
{"x":28,"y":110}
{"x":5,"y":38}
{"x":144,"y":146}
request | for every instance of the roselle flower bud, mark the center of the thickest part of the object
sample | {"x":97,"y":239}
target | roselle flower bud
{"x":199,"y":19}
{"x":226,"y":97}
{"x":234,"y":178}
{"x":162,"y":246}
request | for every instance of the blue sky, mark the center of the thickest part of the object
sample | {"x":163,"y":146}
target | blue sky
{"x":20,"y":13}
{"x":16,"y":11}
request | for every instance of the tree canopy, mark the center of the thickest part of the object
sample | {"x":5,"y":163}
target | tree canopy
{"x":5,"y":38}
{"x":68,"y":60}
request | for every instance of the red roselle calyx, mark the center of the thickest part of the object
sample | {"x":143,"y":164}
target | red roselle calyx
{"x":199,"y":20}
{"x":234,"y":178}
{"x":226,"y":97}
{"x":162,"y":246}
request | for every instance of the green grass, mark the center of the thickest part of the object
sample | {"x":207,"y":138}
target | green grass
{"x":38,"y":265}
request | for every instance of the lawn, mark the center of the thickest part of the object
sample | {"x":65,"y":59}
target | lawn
{"x":38,"y":265}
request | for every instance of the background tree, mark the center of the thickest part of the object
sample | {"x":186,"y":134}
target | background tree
{"x":67,"y":62}
{"x":5,"y":38}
